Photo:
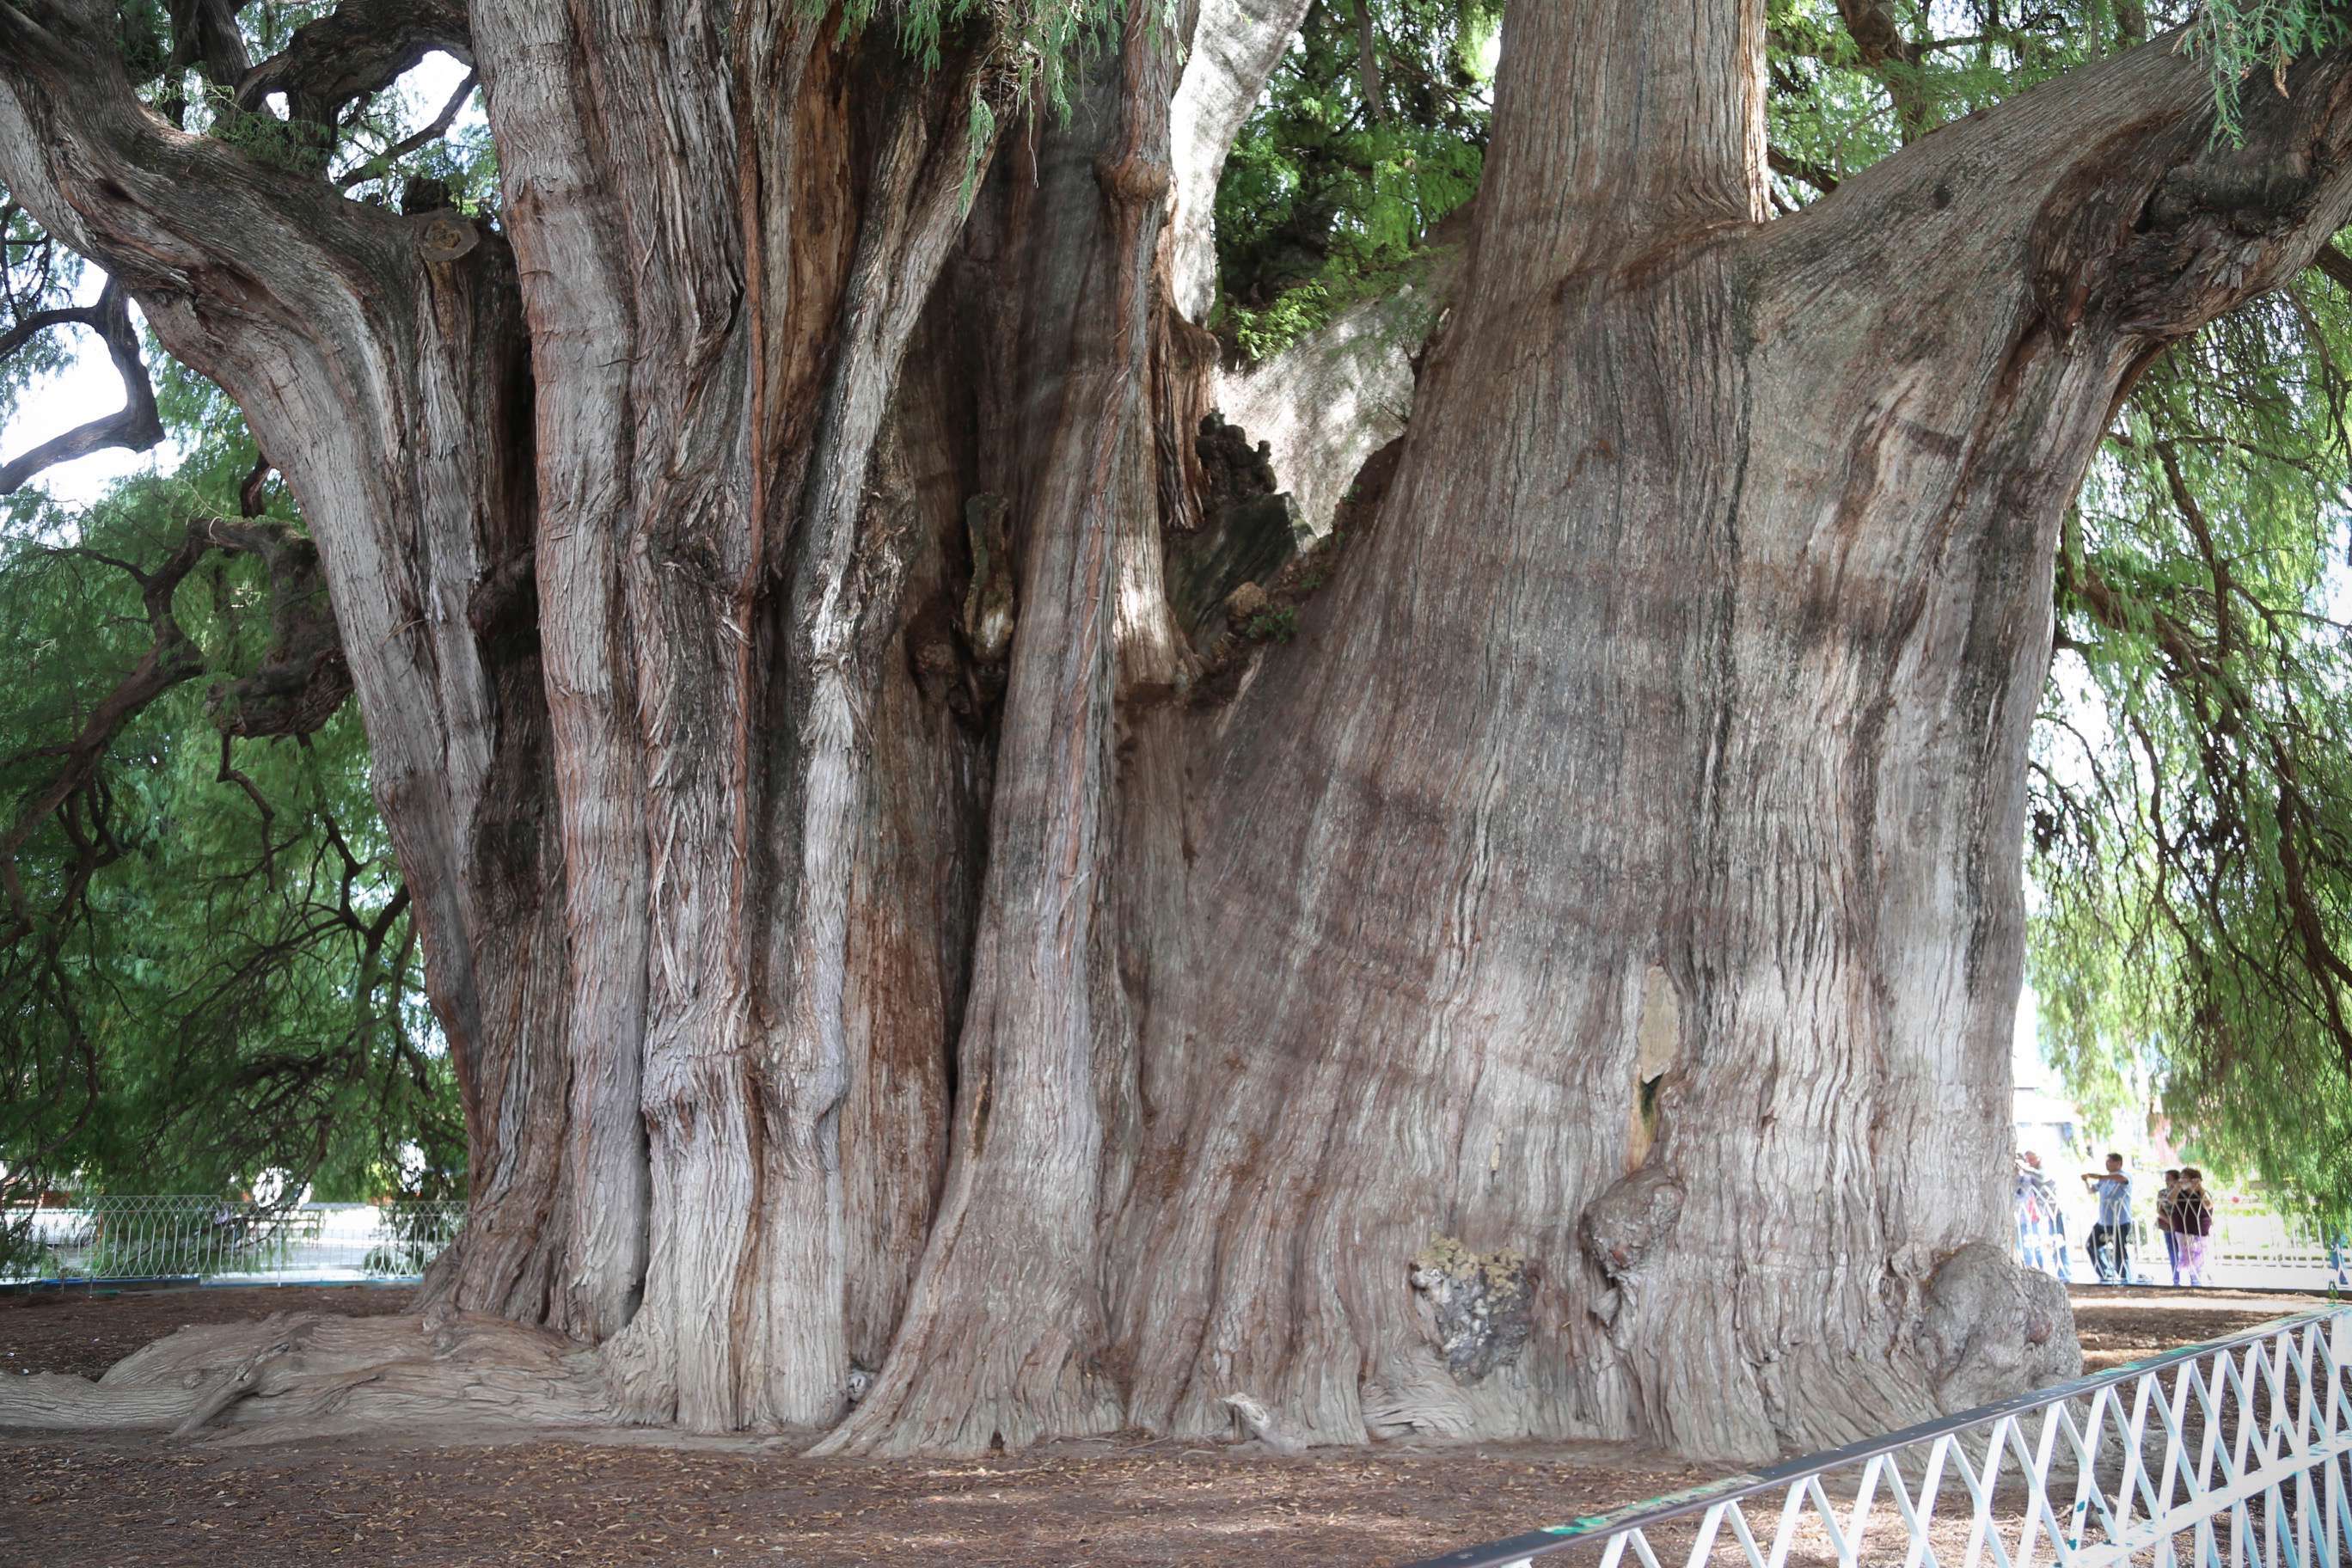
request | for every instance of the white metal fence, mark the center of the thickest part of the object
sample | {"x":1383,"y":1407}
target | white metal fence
{"x":2237,"y":1451}
{"x":214,"y":1239}
{"x":2246,"y":1252}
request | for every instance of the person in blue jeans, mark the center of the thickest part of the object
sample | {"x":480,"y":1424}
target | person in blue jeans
{"x":2114,"y":1229}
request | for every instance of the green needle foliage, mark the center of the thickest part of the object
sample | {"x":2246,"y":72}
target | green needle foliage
{"x":1372,"y":130}
{"x":2193,"y":787}
{"x":207,"y":972}
{"x":2242,"y":37}
{"x":211,"y":973}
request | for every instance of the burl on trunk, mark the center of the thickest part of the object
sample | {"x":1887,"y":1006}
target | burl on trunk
{"x":911,"y":984}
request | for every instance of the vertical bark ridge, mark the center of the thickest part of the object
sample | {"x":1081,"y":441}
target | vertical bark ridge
{"x":563,"y":220}
{"x":1619,"y":127}
{"x":767,"y":276}
{"x":850,"y":558}
{"x":1003,"y":1333}
{"x":632,"y":238}
{"x":915,"y":883}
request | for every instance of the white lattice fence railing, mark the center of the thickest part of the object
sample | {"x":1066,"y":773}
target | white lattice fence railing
{"x":2236,"y":1452}
{"x":140,"y":1238}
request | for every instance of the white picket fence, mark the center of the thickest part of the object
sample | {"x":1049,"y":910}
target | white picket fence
{"x":2247,"y":1252}
{"x":2236,"y":1452}
{"x":142,"y":1239}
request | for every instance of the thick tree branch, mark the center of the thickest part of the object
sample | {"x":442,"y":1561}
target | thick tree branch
{"x":136,"y":425}
{"x":1789,"y":166}
{"x":303,"y":678}
{"x":2333,"y":265}
{"x":2135,"y":223}
{"x":171,"y":658}
{"x":33,"y":323}
{"x":1236,"y":44}
{"x":2156,"y":227}
{"x":369,"y":369}
{"x":1622,"y":126}
{"x":360,"y":47}
{"x":301,"y":682}
{"x":205,"y":34}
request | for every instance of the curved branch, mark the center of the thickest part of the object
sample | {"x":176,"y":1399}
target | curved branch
{"x":1236,"y":44}
{"x":2334,"y":265}
{"x":1893,"y":58}
{"x":433,"y":131}
{"x":204,"y":33}
{"x":369,"y":365}
{"x":303,"y":680}
{"x":2134,"y":225}
{"x":136,"y":425}
{"x":358,"y":49}
{"x":33,"y":323}
{"x":1789,"y":166}
{"x":173,"y":657}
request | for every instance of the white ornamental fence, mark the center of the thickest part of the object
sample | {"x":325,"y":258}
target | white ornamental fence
{"x":213,"y":1239}
{"x":2236,"y":1452}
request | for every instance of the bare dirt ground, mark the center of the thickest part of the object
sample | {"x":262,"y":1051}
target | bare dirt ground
{"x":408,"y":1500}
{"x":2120,"y":1324}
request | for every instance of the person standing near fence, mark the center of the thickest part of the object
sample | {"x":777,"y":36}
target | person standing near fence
{"x":2166,"y":1201}
{"x":2192,"y":1218}
{"x":2112,"y":1235}
{"x":2041,"y":1227}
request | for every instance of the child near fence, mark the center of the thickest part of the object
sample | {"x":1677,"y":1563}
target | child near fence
{"x":2192,"y":1223}
{"x":2166,"y":1201}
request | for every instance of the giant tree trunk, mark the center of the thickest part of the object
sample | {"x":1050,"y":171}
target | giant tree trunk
{"x":1564,"y":992}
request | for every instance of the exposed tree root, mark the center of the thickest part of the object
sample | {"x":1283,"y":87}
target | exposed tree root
{"x":1981,"y":1330}
{"x":959,"y":1384}
{"x":1254,"y":1420}
{"x":309,"y":1375}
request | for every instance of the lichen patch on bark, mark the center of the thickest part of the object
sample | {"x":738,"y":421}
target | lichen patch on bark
{"x":1477,"y":1308}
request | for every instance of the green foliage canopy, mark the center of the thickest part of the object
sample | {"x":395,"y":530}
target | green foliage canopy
{"x":207,"y":972}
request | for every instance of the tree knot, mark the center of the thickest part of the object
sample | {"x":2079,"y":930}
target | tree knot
{"x":988,"y":605}
{"x":1133,"y":178}
{"x":1625,"y":1224}
{"x":446,"y":235}
{"x":1989,"y":1329}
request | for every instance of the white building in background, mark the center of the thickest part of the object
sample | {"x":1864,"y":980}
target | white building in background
{"x":2048,"y":1123}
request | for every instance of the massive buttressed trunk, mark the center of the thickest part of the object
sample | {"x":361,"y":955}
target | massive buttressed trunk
{"x":1616,"y":915}
{"x":896,"y":951}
